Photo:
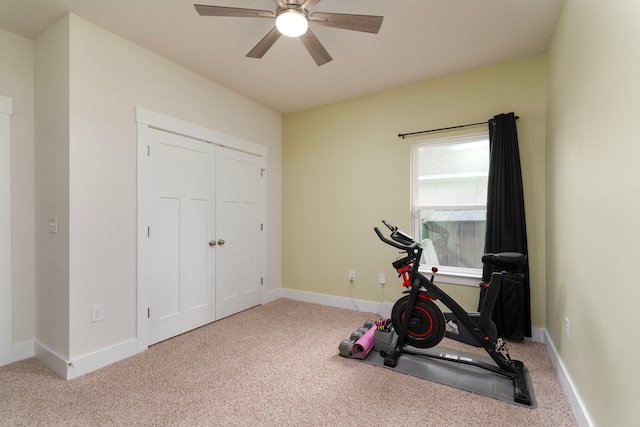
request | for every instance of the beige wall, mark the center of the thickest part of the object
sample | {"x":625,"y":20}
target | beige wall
{"x":345,"y":169}
{"x":593,"y":200}
{"x":16,"y":82}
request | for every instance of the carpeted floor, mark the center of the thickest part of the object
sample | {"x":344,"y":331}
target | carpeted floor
{"x":273,"y":365}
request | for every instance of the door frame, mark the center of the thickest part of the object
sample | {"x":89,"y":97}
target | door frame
{"x":6,"y":285}
{"x":145,"y":120}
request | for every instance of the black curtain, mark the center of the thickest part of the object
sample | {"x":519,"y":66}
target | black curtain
{"x":506,"y":230}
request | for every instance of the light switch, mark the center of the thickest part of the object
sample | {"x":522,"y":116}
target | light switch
{"x":53,"y":224}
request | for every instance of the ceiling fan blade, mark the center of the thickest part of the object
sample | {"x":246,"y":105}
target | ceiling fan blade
{"x":265,"y":44}
{"x":315,"y":48}
{"x":206,"y":10}
{"x":364,"y":23}
{"x":309,"y":4}
{"x":280,"y":3}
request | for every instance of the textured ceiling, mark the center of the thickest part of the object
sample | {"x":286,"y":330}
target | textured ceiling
{"x":418,"y":40}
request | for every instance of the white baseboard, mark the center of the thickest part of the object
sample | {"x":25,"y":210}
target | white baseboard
{"x":22,"y":350}
{"x":537,"y":335}
{"x":99,"y":359}
{"x":53,"y":360}
{"x":382,"y":309}
{"x":69,"y":369}
{"x":17,"y":352}
{"x":271,"y":296}
{"x":578,"y":408}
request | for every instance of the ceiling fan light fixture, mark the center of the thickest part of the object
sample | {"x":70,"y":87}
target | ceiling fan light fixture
{"x":292,"y":22}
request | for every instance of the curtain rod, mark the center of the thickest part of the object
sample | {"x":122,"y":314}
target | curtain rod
{"x":402,"y":135}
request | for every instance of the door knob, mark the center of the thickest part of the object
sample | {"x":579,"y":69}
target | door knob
{"x":221,"y":242}
{"x":212,"y":242}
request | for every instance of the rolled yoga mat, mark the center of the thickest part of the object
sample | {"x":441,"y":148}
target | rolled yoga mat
{"x":363,"y":346}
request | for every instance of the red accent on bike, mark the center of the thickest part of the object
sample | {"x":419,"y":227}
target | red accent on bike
{"x":483,"y":285}
{"x":434,"y":269}
{"x":405,"y":272}
{"x":430,"y":323}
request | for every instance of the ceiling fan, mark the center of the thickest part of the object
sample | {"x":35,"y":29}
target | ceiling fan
{"x":293,"y":19}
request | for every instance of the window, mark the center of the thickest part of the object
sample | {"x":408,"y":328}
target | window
{"x":449,"y":199}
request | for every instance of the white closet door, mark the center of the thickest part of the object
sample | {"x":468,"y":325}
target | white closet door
{"x":238,"y":227}
{"x":182,"y":263}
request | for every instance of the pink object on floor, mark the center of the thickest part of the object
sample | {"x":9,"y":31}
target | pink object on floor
{"x":363,"y":346}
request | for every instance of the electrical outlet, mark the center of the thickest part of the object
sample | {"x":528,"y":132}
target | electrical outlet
{"x":97,"y":313}
{"x":382,"y":279}
{"x":352,"y":276}
{"x":566,"y":327}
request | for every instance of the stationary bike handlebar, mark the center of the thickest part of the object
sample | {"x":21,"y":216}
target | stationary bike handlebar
{"x":400,"y":240}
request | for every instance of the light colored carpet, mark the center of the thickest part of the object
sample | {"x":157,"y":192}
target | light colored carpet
{"x":273,"y":365}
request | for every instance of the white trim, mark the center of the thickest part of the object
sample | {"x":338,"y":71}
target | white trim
{"x":51,"y":359}
{"x":577,"y":407}
{"x":6,"y":283}
{"x":191,"y":130}
{"x":537,"y":335}
{"x":143,"y":174}
{"x":335,"y":301}
{"x":452,"y":175}
{"x":6,"y":105}
{"x":20,"y":351}
{"x":9,"y":352}
{"x":272,"y":295}
{"x":467,"y":277}
{"x":99,"y":359}
{"x":263,"y":250}
{"x":70,"y":369}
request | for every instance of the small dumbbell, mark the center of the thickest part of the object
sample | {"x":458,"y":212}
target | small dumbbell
{"x":345,"y":348}
{"x":369,"y":324}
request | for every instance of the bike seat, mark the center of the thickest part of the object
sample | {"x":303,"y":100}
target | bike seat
{"x":508,"y":260}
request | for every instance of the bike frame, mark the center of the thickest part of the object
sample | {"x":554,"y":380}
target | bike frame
{"x":422,"y":287}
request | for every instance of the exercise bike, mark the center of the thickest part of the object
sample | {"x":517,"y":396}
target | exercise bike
{"x":420,"y":323}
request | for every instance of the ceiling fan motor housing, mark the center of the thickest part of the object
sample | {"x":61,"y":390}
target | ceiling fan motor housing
{"x":292,"y":20}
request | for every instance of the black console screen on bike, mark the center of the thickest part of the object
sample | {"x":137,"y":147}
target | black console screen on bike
{"x":403,"y":238}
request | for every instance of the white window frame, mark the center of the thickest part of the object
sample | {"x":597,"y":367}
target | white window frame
{"x":447,"y":274}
